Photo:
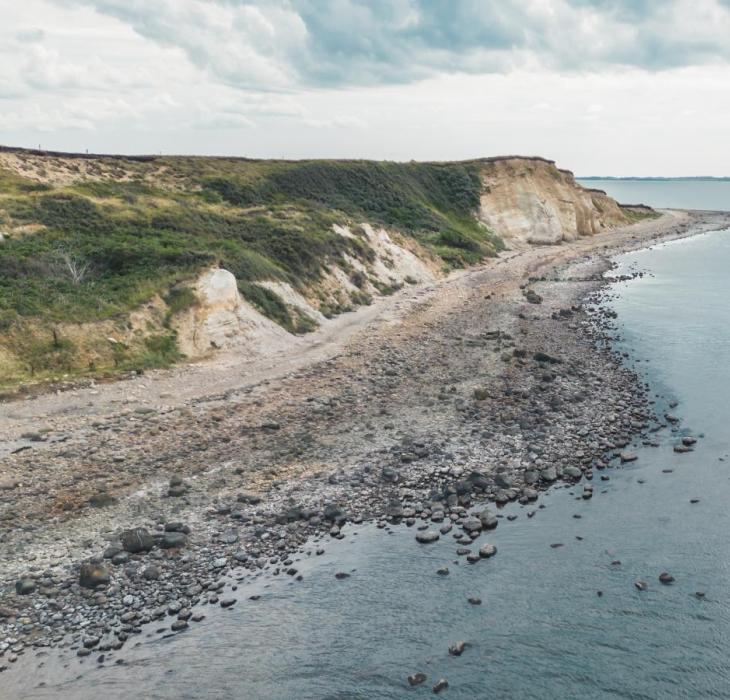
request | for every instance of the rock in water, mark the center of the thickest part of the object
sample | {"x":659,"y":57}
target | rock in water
{"x":641,"y":585}
{"x":472,"y":525}
{"x":457,"y":648}
{"x":666,"y":578}
{"x":416,"y":679}
{"x":427,"y":537}
{"x":440,"y":685}
{"x":487,"y":550}
{"x":93,"y":575}
{"x":489,"y":521}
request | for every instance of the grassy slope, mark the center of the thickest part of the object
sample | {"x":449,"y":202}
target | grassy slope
{"x":134,"y":237}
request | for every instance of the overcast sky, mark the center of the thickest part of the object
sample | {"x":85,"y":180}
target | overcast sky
{"x":612,"y":87}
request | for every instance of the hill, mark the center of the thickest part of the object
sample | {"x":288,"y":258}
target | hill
{"x":114,"y":263}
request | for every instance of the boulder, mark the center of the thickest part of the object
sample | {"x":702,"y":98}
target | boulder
{"x":25,"y":586}
{"x":427,"y":537}
{"x":93,"y":575}
{"x":137,"y":540}
{"x":487,"y":550}
{"x":173,"y":540}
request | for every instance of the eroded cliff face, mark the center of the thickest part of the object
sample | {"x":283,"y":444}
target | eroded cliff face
{"x":531,"y":201}
{"x":222,"y":318}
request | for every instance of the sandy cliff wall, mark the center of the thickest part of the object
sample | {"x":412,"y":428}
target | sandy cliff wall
{"x":528,"y":200}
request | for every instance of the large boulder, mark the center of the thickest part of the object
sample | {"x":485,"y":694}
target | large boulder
{"x":137,"y":540}
{"x":93,"y":575}
{"x":488,"y":520}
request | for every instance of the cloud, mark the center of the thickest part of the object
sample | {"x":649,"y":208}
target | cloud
{"x":336,"y":122}
{"x":291,"y":44}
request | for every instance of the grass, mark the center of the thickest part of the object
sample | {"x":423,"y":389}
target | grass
{"x":634,"y":214}
{"x":96,"y":250}
{"x":271,"y":305}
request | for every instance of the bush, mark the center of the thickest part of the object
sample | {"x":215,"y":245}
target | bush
{"x":49,"y":354}
{"x":270,"y":305}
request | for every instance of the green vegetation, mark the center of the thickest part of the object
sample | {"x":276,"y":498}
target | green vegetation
{"x":179,"y":299}
{"x":634,"y":214}
{"x":269,"y":304}
{"x":95,"y":250}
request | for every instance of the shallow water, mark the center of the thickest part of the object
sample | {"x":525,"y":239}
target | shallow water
{"x":678,"y":194}
{"x":541,"y":631}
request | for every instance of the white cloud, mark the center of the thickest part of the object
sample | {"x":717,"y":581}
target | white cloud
{"x":612,"y":86}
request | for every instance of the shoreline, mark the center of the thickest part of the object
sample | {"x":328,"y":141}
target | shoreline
{"x":534,"y":362}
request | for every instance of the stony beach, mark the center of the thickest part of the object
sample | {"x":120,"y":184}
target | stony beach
{"x":480,"y":390}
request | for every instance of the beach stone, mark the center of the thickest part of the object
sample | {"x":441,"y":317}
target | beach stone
{"x":416,"y":679}
{"x":394,"y":509}
{"x":173,"y":540}
{"x":488,"y":520}
{"x":151,"y":573}
{"x":248,"y":497}
{"x":137,"y":540}
{"x":531,"y":476}
{"x":427,"y":537}
{"x":503,"y":481}
{"x":472,"y":525}
{"x":487,"y":551}
{"x":120,"y":558}
{"x":90,"y":642}
{"x":93,"y":575}
{"x":550,"y":474}
{"x":25,"y":586}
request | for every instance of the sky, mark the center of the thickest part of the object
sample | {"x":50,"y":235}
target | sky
{"x":604,"y":87}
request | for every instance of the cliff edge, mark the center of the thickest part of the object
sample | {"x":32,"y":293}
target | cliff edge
{"x":530,"y":200}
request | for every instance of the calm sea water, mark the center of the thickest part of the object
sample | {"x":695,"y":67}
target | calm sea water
{"x":677,"y":194}
{"x":542,"y":631}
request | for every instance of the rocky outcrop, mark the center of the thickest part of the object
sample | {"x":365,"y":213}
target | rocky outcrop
{"x":530,"y":200}
{"x":222,"y":319}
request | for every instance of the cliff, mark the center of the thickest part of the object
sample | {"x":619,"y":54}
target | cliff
{"x":530,"y":200}
{"x":110,"y":263}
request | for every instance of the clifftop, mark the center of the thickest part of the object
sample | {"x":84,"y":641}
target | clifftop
{"x":105,"y":261}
